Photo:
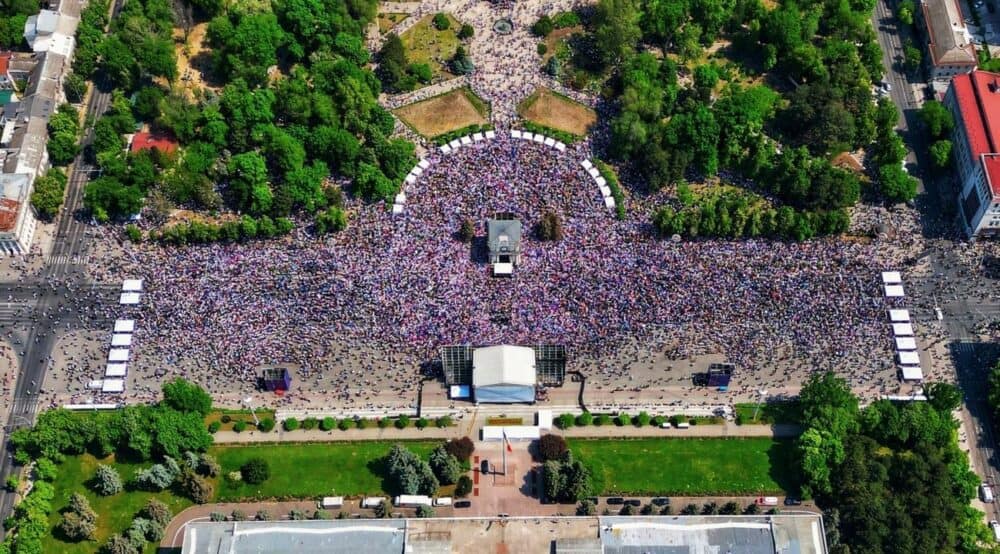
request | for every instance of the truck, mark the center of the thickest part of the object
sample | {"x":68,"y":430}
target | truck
{"x":411,"y":501}
{"x":767,"y":500}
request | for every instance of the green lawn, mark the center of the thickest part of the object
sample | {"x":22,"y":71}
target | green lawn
{"x":688,"y":466}
{"x":771,"y":412}
{"x":312,"y":469}
{"x":425,"y":44}
{"x":115,"y":513}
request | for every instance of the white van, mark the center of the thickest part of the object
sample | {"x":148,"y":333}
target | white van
{"x":986,"y":493}
{"x":683,"y":425}
{"x":329,"y":502}
{"x":767,"y":501}
{"x":443,"y":501}
{"x":996,"y":529}
{"x":371,"y":501}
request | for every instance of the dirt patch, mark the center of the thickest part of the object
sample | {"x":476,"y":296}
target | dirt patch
{"x":185,"y":216}
{"x":558,"y":112}
{"x":444,"y":113}
{"x":194,"y":61}
{"x":386,"y":21}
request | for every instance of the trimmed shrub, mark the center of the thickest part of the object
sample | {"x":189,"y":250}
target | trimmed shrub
{"x":240,"y":426}
{"x":441,"y":22}
{"x":552,"y":447}
{"x":463,"y":486}
{"x":327,"y":424}
{"x":345,"y":424}
{"x":214,"y":427}
{"x":362,"y":423}
{"x":642,"y":419}
{"x":309,"y":423}
{"x":565,"y":421}
{"x":442,"y":422}
{"x":422,"y":423}
{"x":584,"y":419}
{"x":107,"y":481}
{"x":290,"y":424}
{"x":255,"y":471}
{"x":623,"y":419}
{"x":266,"y":425}
{"x":402,"y":422}
{"x":460,"y":448}
{"x":383,"y":422}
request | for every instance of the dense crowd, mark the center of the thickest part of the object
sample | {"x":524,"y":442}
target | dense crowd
{"x":405,"y":284}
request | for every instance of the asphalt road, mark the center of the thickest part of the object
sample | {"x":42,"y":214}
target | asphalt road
{"x":64,"y":266}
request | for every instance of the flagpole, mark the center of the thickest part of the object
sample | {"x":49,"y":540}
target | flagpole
{"x":503,"y":449}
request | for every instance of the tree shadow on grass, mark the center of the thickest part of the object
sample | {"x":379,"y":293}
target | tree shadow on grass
{"x":380,"y":467}
{"x":784,"y":466}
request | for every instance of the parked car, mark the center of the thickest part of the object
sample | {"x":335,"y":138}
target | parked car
{"x":767,"y":501}
{"x":616,"y":501}
{"x":661,"y":501}
{"x":996,"y":529}
{"x":634,"y":502}
{"x":463,"y":504}
{"x":484,"y":466}
{"x":792,"y":501}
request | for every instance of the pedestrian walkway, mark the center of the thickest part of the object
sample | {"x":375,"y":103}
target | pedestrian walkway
{"x":724,"y":430}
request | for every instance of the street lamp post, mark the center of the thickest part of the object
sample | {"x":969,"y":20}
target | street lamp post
{"x":763,"y":393}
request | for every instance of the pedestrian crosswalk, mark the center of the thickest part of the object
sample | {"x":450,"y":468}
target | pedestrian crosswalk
{"x":65,"y":259}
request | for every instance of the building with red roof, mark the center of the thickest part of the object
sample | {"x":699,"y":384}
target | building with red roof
{"x":949,"y":43}
{"x":974,"y":101}
{"x":149,"y":141}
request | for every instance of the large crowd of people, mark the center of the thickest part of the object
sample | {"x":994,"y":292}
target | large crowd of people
{"x":387,"y":292}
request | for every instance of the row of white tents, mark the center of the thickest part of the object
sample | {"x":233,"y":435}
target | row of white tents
{"x":602,"y":183}
{"x":399,"y":204}
{"x":131,"y":292}
{"x":121,"y":341}
{"x":904,"y":339}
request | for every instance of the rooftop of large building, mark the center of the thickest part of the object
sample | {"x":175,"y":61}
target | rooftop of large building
{"x":949,"y":40}
{"x":13,"y":194}
{"x":978,"y":97}
{"x":788,"y":534}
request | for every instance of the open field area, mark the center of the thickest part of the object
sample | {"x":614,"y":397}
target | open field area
{"x":426,"y":44}
{"x":311,"y":470}
{"x":447,"y":112}
{"x":115,"y":513}
{"x":688,"y":466}
{"x":558,"y":112}
{"x":194,"y":60}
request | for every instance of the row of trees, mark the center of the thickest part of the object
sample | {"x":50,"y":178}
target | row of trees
{"x":140,"y":432}
{"x":891,"y":476}
{"x":47,"y":195}
{"x":732,"y":213}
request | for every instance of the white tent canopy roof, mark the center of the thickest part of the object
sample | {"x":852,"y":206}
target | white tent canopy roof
{"x":115,"y":370}
{"x":504,"y":364}
{"x":121,"y":339}
{"x":906,"y":343}
{"x":902,"y":329}
{"x":908,"y":358}
{"x":129,"y":298}
{"x":118,"y":355}
{"x":897,"y":316}
{"x":894,"y":291}
{"x":124,"y":325}
{"x":132,"y":285}
{"x":912,"y":373}
{"x":113,"y":385}
{"x":891,"y":278}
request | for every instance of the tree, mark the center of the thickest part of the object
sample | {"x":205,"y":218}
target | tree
{"x":196,"y":487}
{"x":552,"y":447}
{"x":266,"y":425}
{"x":550,"y":227}
{"x":157,"y":478}
{"x":565,"y":421}
{"x":408,"y":474}
{"x":905,"y":12}
{"x":47,"y":197}
{"x":157,"y":511}
{"x":463,"y":486}
{"x":912,"y":57}
{"x":944,"y":397}
{"x":586,"y":508}
{"x":79,"y":522}
{"x":248,"y":183}
{"x":937,"y":118}
{"x":255,"y":471}
{"x":896,"y":184}
{"x":828,"y":403}
{"x":460,"y":448}
{"x":445,"y":466}
{"x":466,"y":231}
{"x":616,"y":30}
{"x":940,"y":152}
{"x":107,"y":481}
{"x":107,"y":198}
{"x":461,"y":63}
{"x":441,"y":22}
{"x":185,"y":396}
{"x":543,"y":26}
{"x":45,"y":469}
{"x":118,"y":544}
{"x":585,"y":419}
{"x":466,"y":32}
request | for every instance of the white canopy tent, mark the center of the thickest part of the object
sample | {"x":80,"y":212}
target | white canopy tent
{"x":491,"y":134}
{"x":445,"y":149}
{"x":118,"y":355}
{"x":906,"y":343}
{"x":115,"y":370}
{"x":132,"y":285}
{"x":124,"y":325}
{"x":455,"y":144}
{"x":477,"y":137}
{"x":513,"y":432}
{"x":503,"y":269}
{"x":899,"y":316}
{"x":466,"y":140}
{"x":113,"y":385}
{"x":397,"y":209}
{"x":503,"y":374}
{"x":121,"y":339}
{"x":609,"y":202}
{"x":902,"y":329}
{"x":891,"y":278}
{"x":894,"y":291}
{"x":129,"y":298}
{"x":549,"y":141}
{"x":586,"y":164}
{"x":515,"y":133}
{"x":908,"y":358}
{"x":912,"y":373}
{"x":423,"y":163}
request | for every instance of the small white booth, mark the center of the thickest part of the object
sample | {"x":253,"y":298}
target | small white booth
{"x":906,"y":343}
{"x":902,"y":330}
{"x":115,"y":370}
{"x":129,"y":298}
{"x":113,"y":385}
{"x":132,"y":285}
{"x":908,"y":358}
{"x":124,"y":325}
{"x":118,"y":355}
{"x":899,"y":316}
{"x":121,"y":339}
{"x":894,"y":291}
{"x":911,"y":373}
{"x":891,"y":278}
